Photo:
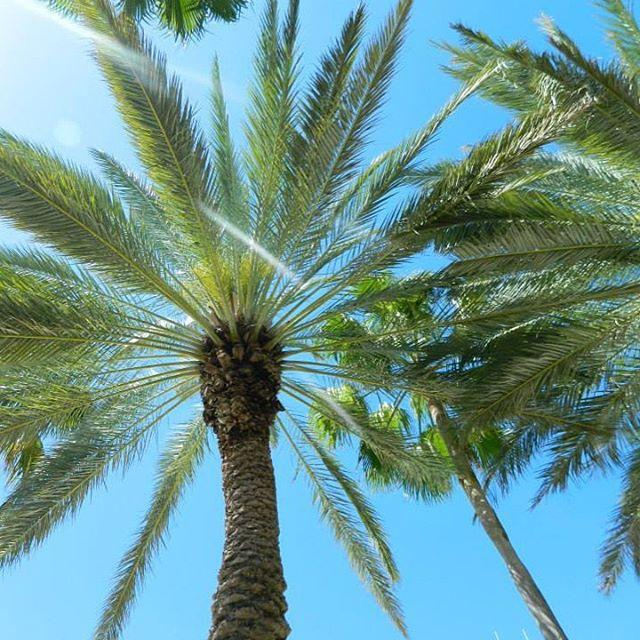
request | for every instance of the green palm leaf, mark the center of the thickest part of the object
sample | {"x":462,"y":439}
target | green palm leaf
{"x":185,"y":19}
{"x":326,"y":480}
{"x":546,"y":275}
{"x":176,"y":470}
{"x":56,"y":488}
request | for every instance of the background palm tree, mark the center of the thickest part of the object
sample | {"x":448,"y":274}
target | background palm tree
{"x":213,"y":276}
{"x":186,"y":19}
{"x":548,"y":275}
{"x":421,"y":316}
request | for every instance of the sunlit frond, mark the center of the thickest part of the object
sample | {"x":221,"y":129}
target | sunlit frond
{"x":176,"y":470}
{"x":336,"y":495}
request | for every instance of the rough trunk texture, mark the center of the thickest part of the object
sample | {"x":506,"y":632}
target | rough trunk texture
{"x":526,"y":585}
{"x":240,"y":383}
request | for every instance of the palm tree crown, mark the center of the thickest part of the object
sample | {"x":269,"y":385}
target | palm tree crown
{"x":213,"y":275}
{"x":437,"y":425}
{"x":186,"y":19}
{"x":548,"y":277}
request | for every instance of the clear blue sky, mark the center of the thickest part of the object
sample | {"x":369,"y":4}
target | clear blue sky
{"x":454,"y":586}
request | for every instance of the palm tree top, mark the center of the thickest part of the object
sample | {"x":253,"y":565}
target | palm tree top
{"x":220,"y":269}
{"x":185,"y":19}
{"x":218,"y":260}
{"x":551,"y":280}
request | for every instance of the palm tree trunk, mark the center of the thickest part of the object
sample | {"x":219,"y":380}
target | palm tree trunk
{"x":526,"y":585}
{"x":240,"y":384}
{"x":249,"y":603}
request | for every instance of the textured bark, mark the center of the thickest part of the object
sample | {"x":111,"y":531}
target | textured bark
{"x":534,"y":599}
{"x":240,"y":383}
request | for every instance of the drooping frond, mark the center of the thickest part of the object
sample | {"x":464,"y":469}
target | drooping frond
{"x":391,"y":447}
{"x":176,"y":470}
{"x":335,"y":495}
{"x":184,"y":18}
{"x":111,"y":437}
{"x":623,"y":542}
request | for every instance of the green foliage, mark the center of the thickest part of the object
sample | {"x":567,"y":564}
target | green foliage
{"x":291,"y":231}
{"x":112,"y":434}
{"x":103,"y":320}
{"x":185,"y":19}
{"x":176,"y":470}
{"x":547,"y":275}
{"x":350,"y":516}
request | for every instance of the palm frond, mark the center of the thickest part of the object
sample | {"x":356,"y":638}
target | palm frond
{"x":391,"y":447}
{"x":329,"y":484}
{"x":68,"y":210}
{"x":57,"y":486}
{"x":162,"y":128}
{"x":271,"y":121}
{"x":623,"y":542}
{"x":354,"y":113}
{"x":232,"y":191}
{"x":176,"y":470}
{"x":185,"y":19}
{"x":624,"y":33}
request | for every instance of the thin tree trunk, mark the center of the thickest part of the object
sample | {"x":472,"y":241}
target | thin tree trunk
{"x":240,"y":384}
{"x":526,"y":585}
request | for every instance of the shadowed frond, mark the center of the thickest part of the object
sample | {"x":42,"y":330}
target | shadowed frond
{"x":114,"y":435}
{"x":185,"y":19}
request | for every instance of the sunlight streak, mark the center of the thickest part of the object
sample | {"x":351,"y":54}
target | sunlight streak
{"x":104,"y":43}
{"x":107,"y":45}
{"x":251,"y":244}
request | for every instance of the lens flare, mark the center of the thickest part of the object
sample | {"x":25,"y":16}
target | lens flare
{"x":251,"y":244}
{"x":105,"y":44}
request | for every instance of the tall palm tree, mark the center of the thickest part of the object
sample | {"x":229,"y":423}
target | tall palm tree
{"x":186,"y":19}
{"x":213,"y":276}
{"x":435,"y":427}
{"x":549,"y":279}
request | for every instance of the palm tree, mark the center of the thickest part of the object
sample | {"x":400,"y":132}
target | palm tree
{"x":422,"y":318}
{"x":548,"y":277}
{"x":213,"y":276}
{"x":186,"y":19}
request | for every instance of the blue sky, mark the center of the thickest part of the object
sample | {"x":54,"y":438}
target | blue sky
{"x":454,"y":586}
